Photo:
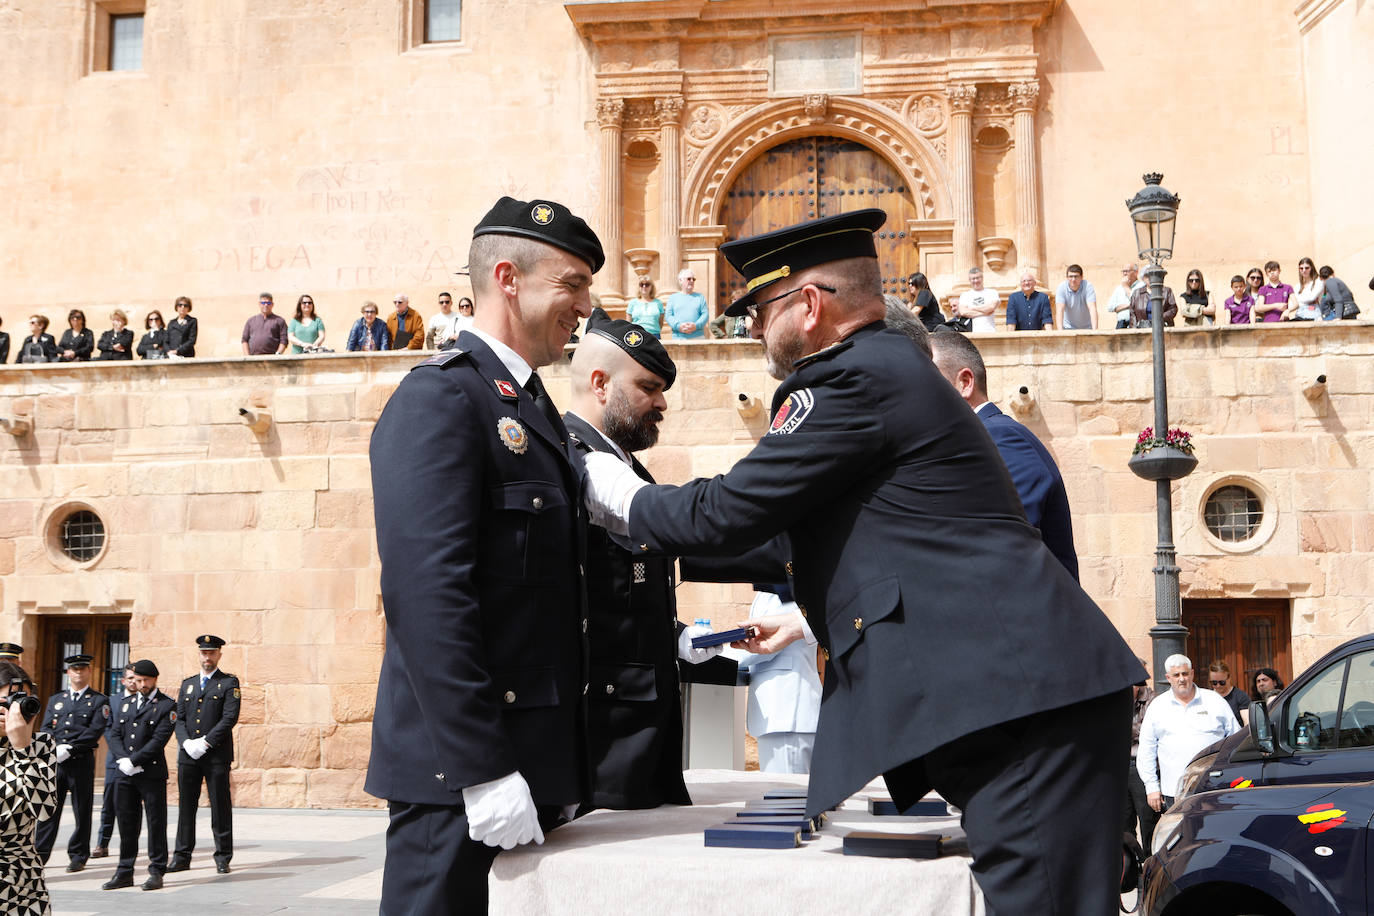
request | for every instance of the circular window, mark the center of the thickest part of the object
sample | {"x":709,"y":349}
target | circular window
{"x":81,"y":535}
{"x":1237,"y":514}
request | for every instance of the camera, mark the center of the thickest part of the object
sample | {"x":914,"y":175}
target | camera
{"x":28,"y":704}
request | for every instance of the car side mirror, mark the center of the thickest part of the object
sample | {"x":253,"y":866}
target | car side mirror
{"x":1261,"y":732}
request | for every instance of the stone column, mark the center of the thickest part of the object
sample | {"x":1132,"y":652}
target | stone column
{"x":962,"y":97}
{"x":1025,"y":98}
{"x":669,"y":114}
{"x":609,"y":114}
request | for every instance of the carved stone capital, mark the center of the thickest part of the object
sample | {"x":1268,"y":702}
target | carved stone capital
{"x":610,"y":112}
{"x":668,"y":110}
{"x":1024,"y":96}
{"x":816,"y":106}
{"x":962,"y":97}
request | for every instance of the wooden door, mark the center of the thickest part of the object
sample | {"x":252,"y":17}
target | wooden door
{"x":813,"y":177}
{"x":1247,"y":635}
{"x":104,"y":637}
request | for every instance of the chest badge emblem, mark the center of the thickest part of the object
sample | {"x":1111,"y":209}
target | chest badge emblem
{"x":506,"y":389}
{"x":57,"y":705}
{"x":513,"y":435}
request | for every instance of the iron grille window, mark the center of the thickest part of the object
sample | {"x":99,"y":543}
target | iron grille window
{"x":82,"y":536}
{"x":1233,"y":513}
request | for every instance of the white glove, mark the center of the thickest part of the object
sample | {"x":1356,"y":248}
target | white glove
{"x":64,"y":753}
{"x":126,"y":766}
{"x":501,"y":812}
{"x":611,"y":487}
{"x":696,"y":656}
{"x":195,"y":748}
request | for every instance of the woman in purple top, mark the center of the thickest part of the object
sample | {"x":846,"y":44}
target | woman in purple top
{"x":1275,"y":299}
{"x":1239,"y":303}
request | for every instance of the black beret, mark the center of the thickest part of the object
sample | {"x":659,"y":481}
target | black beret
{"x":544,"y":221}
{"x":145,"y":668}
{"x":768,"y":258}
{"x":11,"y":650}
{"x":643,"y":348}
{"x":209,"y":642}
{"x":77,"y":661}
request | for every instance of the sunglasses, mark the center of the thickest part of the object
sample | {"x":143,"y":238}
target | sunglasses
{"x":1220,"y":683}
{"x":370,"y":312}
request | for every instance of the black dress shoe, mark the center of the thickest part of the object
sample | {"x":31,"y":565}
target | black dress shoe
{"x":222,"y":867}
{"x":99,"y":852}
{"x":75,"y":866}
{"x":179,"y":865}
{"x":117,"y":882}
{"x":154,"y":883}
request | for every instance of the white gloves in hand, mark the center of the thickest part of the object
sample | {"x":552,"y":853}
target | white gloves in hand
{"x":696,"y":656}
{"x":64,"y":753}
{"x":501,"y":812}
{"x":126,"y":766}
{"x":611,"y":487}
{"x":195,"y":747}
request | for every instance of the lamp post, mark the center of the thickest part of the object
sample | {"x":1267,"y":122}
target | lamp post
{"x":1153,"y":211}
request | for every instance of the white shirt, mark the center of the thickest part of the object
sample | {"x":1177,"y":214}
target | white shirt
{"x":514,"y":363}
{"x":981,"y":297}
{"x":1172,"y":733}
{"x":442,"y":327}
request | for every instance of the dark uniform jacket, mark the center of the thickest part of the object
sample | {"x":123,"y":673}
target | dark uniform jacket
{"x":939,"y":605}
{"x":210,"y":714}
{"x":481,"y":533}
{"x":141,"y":736}
{"x":79,"y":724}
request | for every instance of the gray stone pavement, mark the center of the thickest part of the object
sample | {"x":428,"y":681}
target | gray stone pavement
{"x":294,"y":861}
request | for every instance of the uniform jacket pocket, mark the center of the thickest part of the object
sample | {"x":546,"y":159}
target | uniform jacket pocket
{"x":632,"y":682}
{"x":874,"y":602}
{"x":526,"y":688}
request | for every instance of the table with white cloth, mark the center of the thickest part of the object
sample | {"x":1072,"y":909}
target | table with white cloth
{"x":656,"y":861}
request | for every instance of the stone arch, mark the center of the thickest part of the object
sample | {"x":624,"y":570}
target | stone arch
{"x":767,"y":125}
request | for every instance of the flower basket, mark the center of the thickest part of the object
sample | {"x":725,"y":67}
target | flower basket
{"x":1163,"y":462}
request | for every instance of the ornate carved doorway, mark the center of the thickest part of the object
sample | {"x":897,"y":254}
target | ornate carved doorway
{"x":812,"y":177}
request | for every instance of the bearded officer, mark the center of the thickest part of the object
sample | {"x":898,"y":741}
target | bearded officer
{"x":478,"y":738}
{"x":75,"y":718}
{"x":634,"y":713}
{"x":142,"y":726}
{"x":901,"y":518}
{"x":207,"y":711}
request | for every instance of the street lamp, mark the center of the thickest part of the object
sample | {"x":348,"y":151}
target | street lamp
{"x":1153,"y":211}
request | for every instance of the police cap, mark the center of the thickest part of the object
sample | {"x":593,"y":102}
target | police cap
{"x":630,"y":337}
{"x":11,"y":650}
{"x":80,"y":660}
{"x":209,"y":642}
{"x":544,"y":221}
{"x":765,"y":259}
{"x":145,"y":668}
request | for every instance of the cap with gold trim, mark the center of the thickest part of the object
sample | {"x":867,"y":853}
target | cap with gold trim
{"x":80,"y":660}
{"x":765,"y":259}
{"x":11,"y":650}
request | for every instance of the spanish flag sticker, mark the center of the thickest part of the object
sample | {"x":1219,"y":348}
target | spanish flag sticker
{"x":1321,"y":818}
{"x":1241,"y":782}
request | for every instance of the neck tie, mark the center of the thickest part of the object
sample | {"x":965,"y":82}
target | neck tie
{"x":202,"y":681}
{"x":76,"y":695}
{"x":545,"y":404}
{"x":140,"y":703}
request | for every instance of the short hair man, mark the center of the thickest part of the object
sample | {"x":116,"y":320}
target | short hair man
{"x":1038,"y":481}
{"x":441,"y":331}
{"x":207,"y":711}
{"x":1119,"y":305}
{"x":915,"y":571}
{"x":264,"y":333}
{"x":1028,"y":309}
{"x":1142,"y":308}
{"x":685,"y":312}
{"x":1075,"y":302}
{"x":900,"y":318}
{"x":405,"y":326}
{"x":1177,"y":725}
{"x":1275,"y":300}
{"x":977,"y":303}
{"x":112,"y":774}
{"x":143,"y":724}
{"x":477,"y":740}
{"x":1219,"y":679}
{"x":76,"y":718}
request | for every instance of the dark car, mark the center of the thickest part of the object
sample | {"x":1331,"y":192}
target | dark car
{"x":1275,"y":818}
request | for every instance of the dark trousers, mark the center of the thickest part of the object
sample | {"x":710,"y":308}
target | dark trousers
{"x":107,"y":804}
{"x":1138,"y":808}
{"x":215,"y":775}
{"x":433,"y":867}
{"x":139,"y":795}
{"x":1041,"y":802}
{"x":76,"y":776}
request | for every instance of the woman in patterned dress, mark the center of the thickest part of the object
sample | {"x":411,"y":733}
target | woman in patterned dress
{"x":28,"y":793}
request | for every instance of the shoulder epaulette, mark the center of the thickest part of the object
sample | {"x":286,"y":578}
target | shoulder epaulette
{"x":443,"y":360}
{"x":828,"y":352}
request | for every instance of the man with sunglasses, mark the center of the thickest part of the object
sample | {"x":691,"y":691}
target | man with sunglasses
{"x":912,"y":563}
{"x":1219,"y":678}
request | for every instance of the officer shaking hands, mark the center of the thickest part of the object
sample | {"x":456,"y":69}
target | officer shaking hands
{"x":76,"y":718}
{"x":207,"y":710}
{"x":142,"y":726}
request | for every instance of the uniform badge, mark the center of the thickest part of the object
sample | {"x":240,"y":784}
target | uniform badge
{"x":57,"y":705}
{"x":633,"y":338}
{"x":542,"y":214}
{"x":506,"y":389}
{"x":236,"y":693}
{"x":190,"y":689}
{"x":513,"y":435}
{"x":106,"y":711}
{"x":174,"y":715}
{"x":793,"y":412}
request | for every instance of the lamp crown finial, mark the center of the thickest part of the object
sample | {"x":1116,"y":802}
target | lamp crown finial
{"x":1153,"y":177}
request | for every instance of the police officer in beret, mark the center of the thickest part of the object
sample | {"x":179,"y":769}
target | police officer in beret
{"x":207,"y":710}
{"x":634,"y":713}
{"x":142,"y":726}
{"x":478,"y":736}
{"x":912,"y":563}
{"x":11,"y":651}
{"x":75,"y":718}
{"x":112,"y":774}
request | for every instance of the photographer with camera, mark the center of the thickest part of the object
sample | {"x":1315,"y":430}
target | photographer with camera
{"x":28,"y":792}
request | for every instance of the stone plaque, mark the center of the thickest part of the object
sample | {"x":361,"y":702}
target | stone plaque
{"x":810,"y":64}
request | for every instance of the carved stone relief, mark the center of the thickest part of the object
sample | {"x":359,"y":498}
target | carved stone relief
{"x":610,"y":112}
{"x":927,"y":114}
{"x":705,"y":122}
{"x":816,"y":105}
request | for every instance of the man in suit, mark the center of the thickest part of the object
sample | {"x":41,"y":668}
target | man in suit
{"x":112,"y":774}
{"x":143,"y":724}
{"x":939,"y":606}
{"x":478,"y":740}
{"x":207,"y":710}
{"x":1038,"y":481}
{"x":75,"y":718}
{"x":634,"y":713}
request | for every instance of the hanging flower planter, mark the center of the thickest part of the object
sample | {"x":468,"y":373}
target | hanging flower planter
{"x":1163,"y":458}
